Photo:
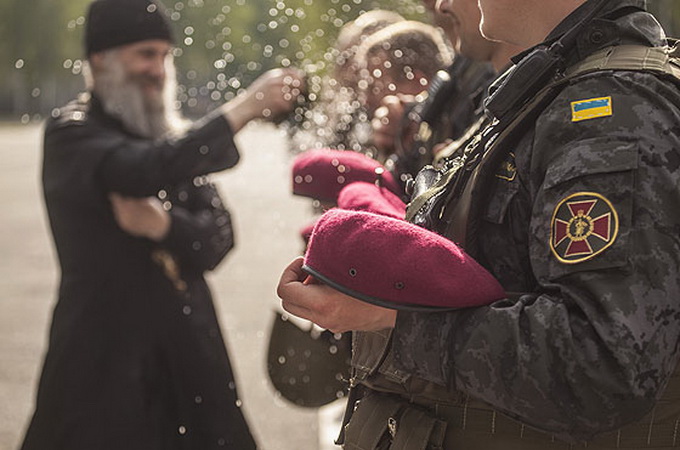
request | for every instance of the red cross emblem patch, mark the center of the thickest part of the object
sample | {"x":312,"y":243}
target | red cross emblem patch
{"x":583,"y":225}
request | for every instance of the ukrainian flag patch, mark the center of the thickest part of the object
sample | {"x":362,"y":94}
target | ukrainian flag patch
{"x":592,"y":108}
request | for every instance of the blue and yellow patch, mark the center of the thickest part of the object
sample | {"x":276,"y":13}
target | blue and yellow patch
{"x":592,"y":108}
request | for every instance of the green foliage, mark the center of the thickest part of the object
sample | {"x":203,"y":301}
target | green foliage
{"x":40,"y":50}
{"x":668,"y":13}
{"x":222,"y":45}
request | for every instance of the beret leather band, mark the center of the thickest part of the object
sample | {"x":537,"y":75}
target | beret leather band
{"x":372,"y":300}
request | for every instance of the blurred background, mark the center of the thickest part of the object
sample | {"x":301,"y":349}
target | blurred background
{"x":222,"y":45}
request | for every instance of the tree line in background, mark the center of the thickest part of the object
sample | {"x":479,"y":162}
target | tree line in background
{"x":222,"y":45}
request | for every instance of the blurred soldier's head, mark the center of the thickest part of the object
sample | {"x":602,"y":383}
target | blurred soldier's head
{"x":131,"y":69}
{"x":443,"y":21}
{"x":471,"y":41}
{"x":466,"y":15}
{"x":523,"y":22}
{"x":351,"y":35}
{"x":400,"y":59}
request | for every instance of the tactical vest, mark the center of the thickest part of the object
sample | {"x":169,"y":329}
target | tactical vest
{"x":401,"y":411}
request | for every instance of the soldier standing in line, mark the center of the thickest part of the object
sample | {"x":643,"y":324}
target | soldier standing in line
{"x":415,"y":133}
{"x":570,"y":199}
{"x":136,"y":358}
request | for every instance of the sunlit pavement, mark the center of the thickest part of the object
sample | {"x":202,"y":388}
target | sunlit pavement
{"x":267,"y":219}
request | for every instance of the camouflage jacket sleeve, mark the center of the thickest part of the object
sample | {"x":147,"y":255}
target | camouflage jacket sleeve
{"x":589,"y":230}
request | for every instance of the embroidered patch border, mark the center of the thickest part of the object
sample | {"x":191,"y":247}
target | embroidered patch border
{"x":583,"y":225}
{"x":591,"y":108}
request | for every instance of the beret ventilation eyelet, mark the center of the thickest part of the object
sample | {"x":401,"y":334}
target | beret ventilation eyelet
{"x":352,"y":272}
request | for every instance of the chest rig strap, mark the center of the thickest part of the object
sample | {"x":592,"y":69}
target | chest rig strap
{"x":448,"y":206}
{"x":660,"y":60}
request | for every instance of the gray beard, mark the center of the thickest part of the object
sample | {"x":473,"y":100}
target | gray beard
{"x":149,"y":116}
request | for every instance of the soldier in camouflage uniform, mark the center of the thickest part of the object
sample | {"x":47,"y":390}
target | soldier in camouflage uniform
{"x":577,"y":214}
{"x":416,"y":132}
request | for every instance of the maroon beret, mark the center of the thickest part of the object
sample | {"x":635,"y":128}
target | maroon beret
{"x":395,"y":264}
{"x":322,"y":173}
{"x":368,"y":197}
{"x":306,"y":230}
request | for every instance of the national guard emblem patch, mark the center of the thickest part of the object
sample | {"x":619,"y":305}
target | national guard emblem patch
{"x":591,"y":109}
{"x":583,"y":226}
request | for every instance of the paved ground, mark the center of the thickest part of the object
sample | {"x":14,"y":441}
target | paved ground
{"x":267,"y":218}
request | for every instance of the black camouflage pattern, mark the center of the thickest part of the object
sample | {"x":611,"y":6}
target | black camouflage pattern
{"x":583,"y":348}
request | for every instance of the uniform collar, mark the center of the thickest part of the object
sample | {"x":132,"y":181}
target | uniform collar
{"x":610,"y":9}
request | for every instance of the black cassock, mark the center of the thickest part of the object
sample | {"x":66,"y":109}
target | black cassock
{"x":136,"y":359}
